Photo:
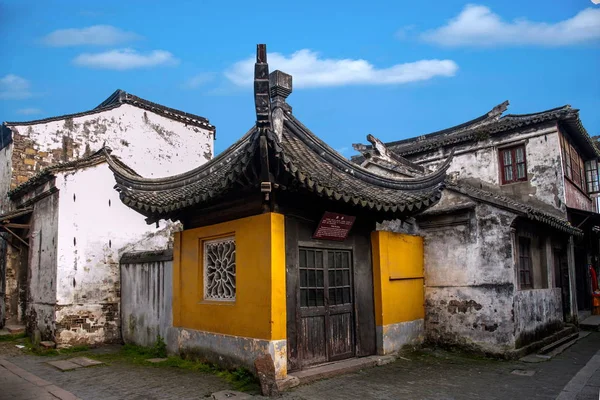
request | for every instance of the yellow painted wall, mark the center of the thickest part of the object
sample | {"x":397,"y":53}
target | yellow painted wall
{"x":259,"y":310}
{"x":397,"y":256}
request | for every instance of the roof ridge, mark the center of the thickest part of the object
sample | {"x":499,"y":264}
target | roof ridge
{"x":342,"y":162}
{"x":96,"y":158}
{"x":564,"y":114}
{"x":491,"y":114}
{"x":120,"y":97}
{"x":566,"y":107}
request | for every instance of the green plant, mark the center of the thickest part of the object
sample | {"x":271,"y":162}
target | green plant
{"x":160,"y":347}
{"x":12,"y":338}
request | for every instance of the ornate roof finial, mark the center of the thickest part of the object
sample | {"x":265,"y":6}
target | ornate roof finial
{"x":261,"y":88}
{"x":497,"y":111}
{"x":281,"y":88}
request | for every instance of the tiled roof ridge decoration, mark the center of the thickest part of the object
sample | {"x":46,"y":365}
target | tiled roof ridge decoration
{"x":278,"y":153}
{"x":493,"y":123}
{"x":527,"y":210}
{"x":491,"y":116}
{"x":379,"y":154}
{"x":92,"y":159}
{"x":120,"y":97}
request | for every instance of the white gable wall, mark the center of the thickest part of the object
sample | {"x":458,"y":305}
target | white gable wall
{"x":94,"y":228}
{"x":133,"y":133}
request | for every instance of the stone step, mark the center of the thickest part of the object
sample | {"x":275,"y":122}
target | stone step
{"x":15,"y":329}
{"x":554,"y":348}
{"x":591,"y":323}
{"x":338,"y":368}
{"x":547,"y":349}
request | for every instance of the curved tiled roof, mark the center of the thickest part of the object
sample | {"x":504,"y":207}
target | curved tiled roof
{"x":290,"y":159}
{"x":47,"y":173}
{"x":304,"y":160}
{"x":526,"y":210}
{"x":567,"y":116}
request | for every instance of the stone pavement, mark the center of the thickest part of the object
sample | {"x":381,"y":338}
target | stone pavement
{"x":440,"y":375}
{"x":125,"y":381}
{"x":429,"y":374}
{"x":18,"y":384}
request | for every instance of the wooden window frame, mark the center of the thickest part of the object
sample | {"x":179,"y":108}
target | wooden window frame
{"x":514,"y":164}
{"x":525,"y":266}
{"x":592,"y":178}
{"x":574,"y":166}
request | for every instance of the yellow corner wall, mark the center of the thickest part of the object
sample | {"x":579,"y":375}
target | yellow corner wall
{"x":397,"y":256}
{"x":259,"y":310}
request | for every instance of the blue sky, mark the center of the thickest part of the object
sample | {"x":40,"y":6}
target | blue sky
{"x":395,"y":69}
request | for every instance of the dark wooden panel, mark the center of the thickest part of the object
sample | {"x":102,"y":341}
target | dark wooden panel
{"x":364,"y":302}
{"x":311,"y":340}
{"x":358,"y":313}
{"x":292,"y":292}
{"x":340,"y":337}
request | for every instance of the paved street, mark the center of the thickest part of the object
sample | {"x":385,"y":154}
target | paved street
{"x":429,"y":374}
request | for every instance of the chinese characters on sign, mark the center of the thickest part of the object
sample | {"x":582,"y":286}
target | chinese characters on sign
{"x":334,"y":226}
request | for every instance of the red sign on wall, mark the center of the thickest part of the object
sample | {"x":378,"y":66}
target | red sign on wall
{"x":334,"y":226}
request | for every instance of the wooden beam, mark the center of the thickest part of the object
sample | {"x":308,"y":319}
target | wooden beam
{"x":20,"y":226}
{"x":15,"y":235}
{"x":9,"y":242}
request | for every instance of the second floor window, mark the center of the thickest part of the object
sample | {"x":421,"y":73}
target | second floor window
{"x":513,"y":164}
{"x":573,"y":164}
{"x":592,"y":177}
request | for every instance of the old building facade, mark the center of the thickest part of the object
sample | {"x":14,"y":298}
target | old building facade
{"x":64,"y":228}
{"x":504,"y":253}
{"x":279,"y":255}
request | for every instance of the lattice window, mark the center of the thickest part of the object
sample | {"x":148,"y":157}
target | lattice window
{"x":525,"y":265}
{"x":219,"y":269}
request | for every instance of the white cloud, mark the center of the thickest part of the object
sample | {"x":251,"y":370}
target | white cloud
{"x":97,"y":35}
{"x":405,"y":31}
{"x":309,"y":70}
{"x":125,"y":59}
{"x":199,"y":80}
{"x":29,"y":111}
{"x":14,"y":87}
{"x":478,"y":26}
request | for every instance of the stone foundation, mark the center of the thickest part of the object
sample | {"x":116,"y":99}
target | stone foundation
{"x":391,"y":338}
{"x":225,"y":350}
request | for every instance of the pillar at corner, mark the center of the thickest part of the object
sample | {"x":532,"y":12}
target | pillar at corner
{"x":399,"y":291}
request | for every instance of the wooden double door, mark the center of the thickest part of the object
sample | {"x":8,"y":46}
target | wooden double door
{"x":325,"y":306}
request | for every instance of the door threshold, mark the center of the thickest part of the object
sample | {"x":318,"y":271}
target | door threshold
{"x":335,"y":368}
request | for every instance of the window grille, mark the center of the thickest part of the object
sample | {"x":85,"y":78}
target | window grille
{"x":219,"y":269}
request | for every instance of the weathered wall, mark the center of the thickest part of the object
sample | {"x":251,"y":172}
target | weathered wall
{"x":478,"y":164}
{"x":151,"y":144}
{"x":576,"y":198}
{"x":257,"y":317}
{"x":42,"y":267}
{"x":538,"y":313}
{"x":6,"y":155}
{"x":469,"y":277}
{"x":95,"y":227}
{"x":146,"y":296}
{"x":16,"y":281}
{"x":398,"y":289}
